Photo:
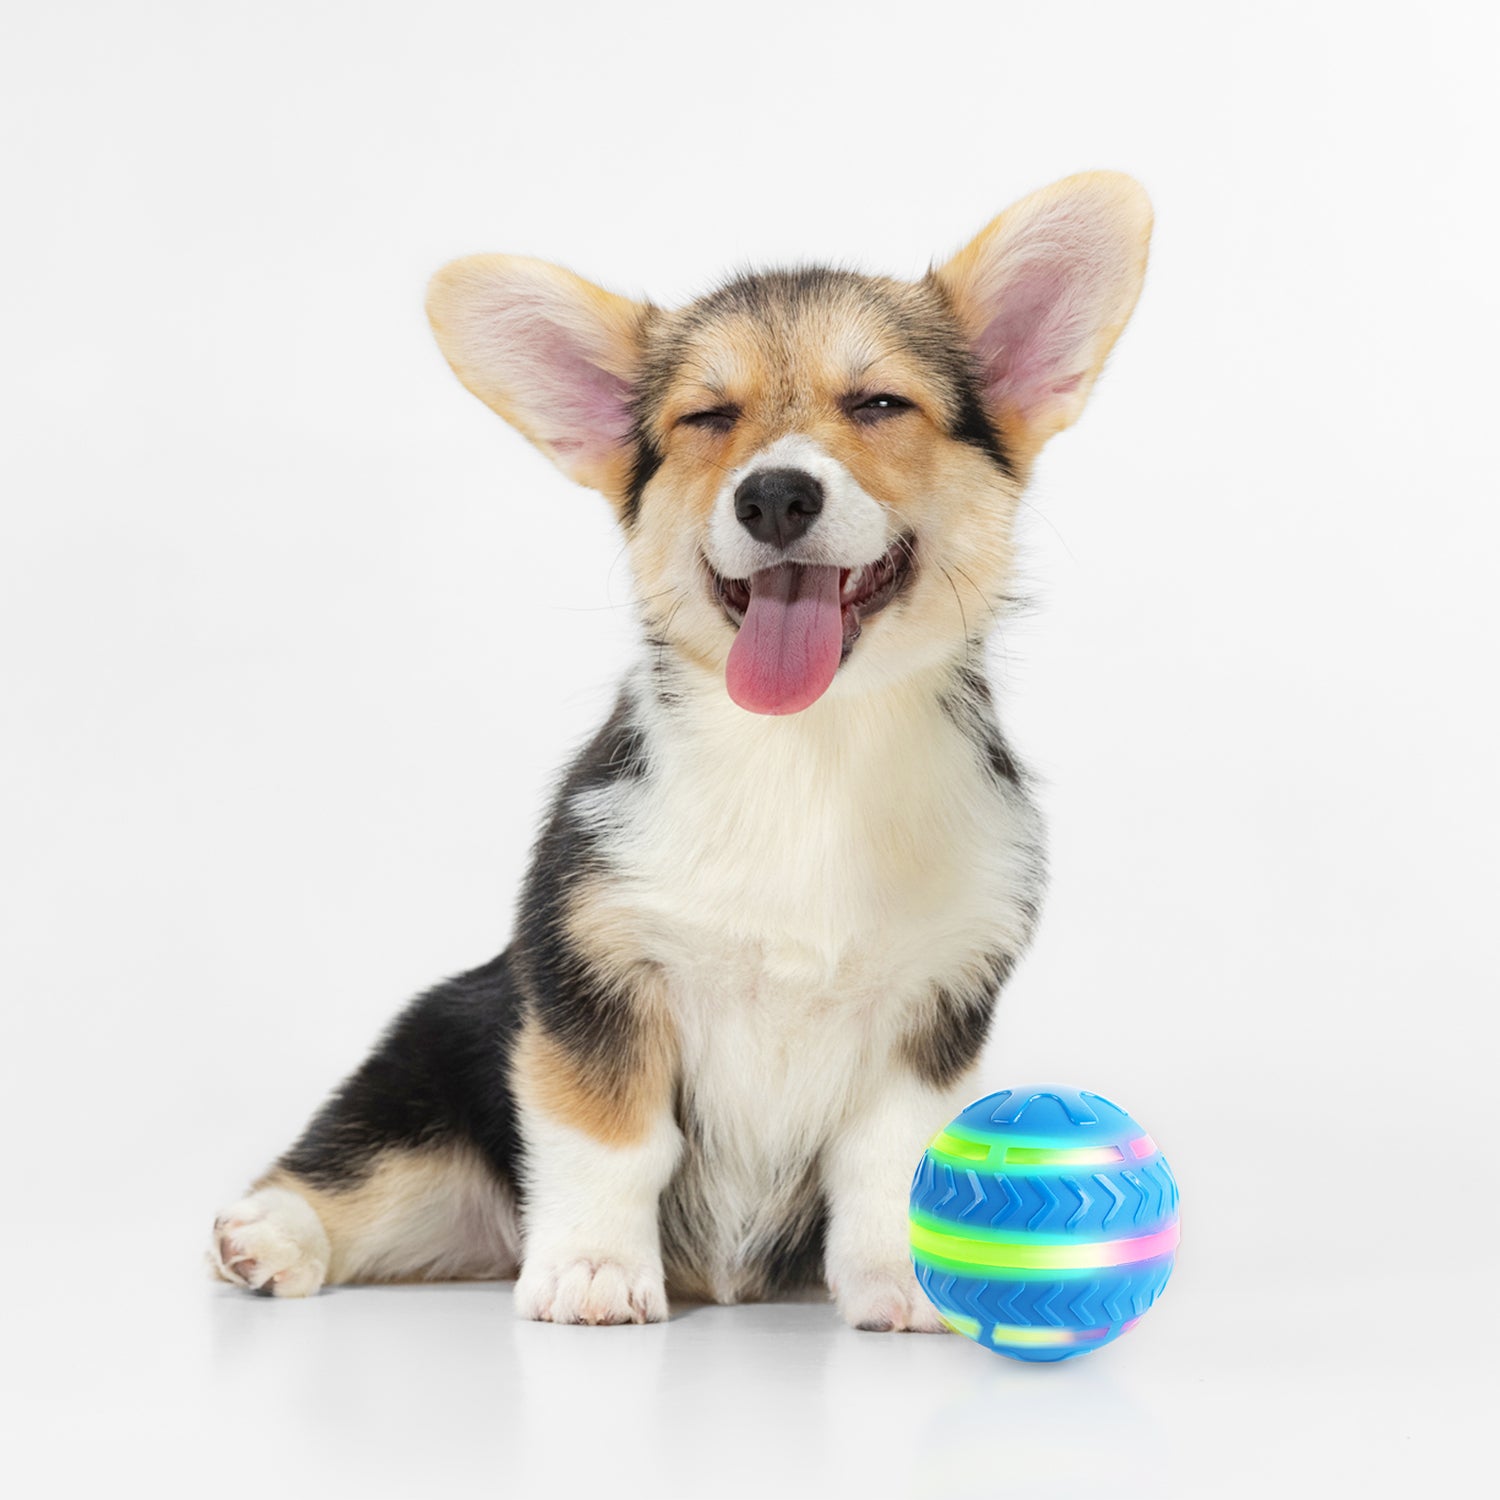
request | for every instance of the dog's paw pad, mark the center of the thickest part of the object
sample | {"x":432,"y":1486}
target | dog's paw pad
{"x":271,"y":1242}
{"x":590,"y":1291}
{"x":887,"y":1302}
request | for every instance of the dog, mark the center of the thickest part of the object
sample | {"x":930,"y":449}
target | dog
{"x":768,"y":916}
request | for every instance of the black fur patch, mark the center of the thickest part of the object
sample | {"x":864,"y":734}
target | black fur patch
{"x":589,"y":1018}
{"x":439,"y":1074}
{"x":973,"y":426}
{"x":956,"y":1029}
{"x":971,"y":706}
{"x":794,"y":1258}
{"x":436,"y":1077}
{"x":770,"y":293}
{"x":648,"y":459}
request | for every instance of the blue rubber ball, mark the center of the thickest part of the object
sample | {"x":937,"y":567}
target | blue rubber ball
{"x":1043,"y":1222}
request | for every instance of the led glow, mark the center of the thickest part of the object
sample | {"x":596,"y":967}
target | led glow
{"x":991,"y":1255}
{"x":964,"y":1151}
{"x":969,"y":1327}
{"x":945,"y":1143}
{"x":1142,"y":1147}
{"x":1062,"y":1156}
{"x":1037,"y":1338}
{"x":1011,"y":1234}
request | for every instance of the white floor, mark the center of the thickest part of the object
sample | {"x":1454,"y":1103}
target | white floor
{"x":172,"y":1386}
{"x":294,"y":639}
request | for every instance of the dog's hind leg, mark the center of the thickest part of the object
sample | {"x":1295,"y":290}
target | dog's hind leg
{"x":426,"y":1215}
{"x":406,"y":1173}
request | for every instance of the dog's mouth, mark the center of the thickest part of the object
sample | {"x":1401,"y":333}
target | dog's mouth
{"x":797,"y":622}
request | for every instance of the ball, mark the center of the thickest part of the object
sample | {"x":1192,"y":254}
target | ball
{"x":1043,"y":1222}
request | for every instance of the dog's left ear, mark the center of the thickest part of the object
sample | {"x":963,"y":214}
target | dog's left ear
{"x":554,"y":354}
{"x":1043,"y":293}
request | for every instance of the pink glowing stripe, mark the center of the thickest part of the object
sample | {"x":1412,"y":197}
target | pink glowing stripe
{"x":1142,"y":1146}
{"x":1127,"y":1326}
{"x":1122,"y":1252}
{"x":1030,"y":1255}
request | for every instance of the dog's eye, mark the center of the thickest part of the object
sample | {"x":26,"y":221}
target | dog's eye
{"x":716,"y":419}
{"x":878,"y":407}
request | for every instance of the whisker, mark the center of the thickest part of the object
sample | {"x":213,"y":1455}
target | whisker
{"x":588,"y":609}
{"x":1051,"y":525}
{"x":993,"y":608}
{"x":961,"y":614}
{"x":609,"y":577}
{"x":996,"y":620}
{"x":661,"y":635}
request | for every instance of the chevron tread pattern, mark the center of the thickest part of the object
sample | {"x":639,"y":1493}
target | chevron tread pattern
{"x":1109,"y":1203}
{"x":1108,"y":1299}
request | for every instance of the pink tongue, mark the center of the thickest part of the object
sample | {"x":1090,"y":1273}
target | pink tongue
{"x":788,"y":649}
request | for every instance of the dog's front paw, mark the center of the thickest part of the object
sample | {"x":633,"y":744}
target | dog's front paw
{"x":886,"y":1302}
{"x":271,"y":1242}
{"x":590,"y":1291}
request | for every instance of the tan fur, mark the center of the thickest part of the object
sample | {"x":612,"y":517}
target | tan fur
{"x":462,"y":302}
{"x":1122,"y":222}
{"x":794,"y":376}
{"x":424,"y":1215}
{"x":615,"y":1106}
{"x":790,"y":374}
{"x":615,"y":1100}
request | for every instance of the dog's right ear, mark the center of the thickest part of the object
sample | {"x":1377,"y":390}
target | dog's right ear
{"x":554,"y":354}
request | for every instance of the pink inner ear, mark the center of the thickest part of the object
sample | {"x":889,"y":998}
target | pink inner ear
{"x":546,"y":355}
{"x":1040,"y":330}
{"x":1050,"y":297}
{"x":583,"y":410}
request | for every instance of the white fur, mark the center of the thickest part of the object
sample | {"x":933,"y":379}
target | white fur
{"x":850,"y":531}
{"x":438,"y":1215}
{"x":867,"y":1172}
{"x":593,"y":1242}
{"x":271,"y":1240}
{"x":804,"y":884}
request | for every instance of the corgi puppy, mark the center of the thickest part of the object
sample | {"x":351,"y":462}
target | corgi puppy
{"x":771,"y":907}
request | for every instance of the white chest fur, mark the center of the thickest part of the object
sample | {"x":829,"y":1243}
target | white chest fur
{"x":805,"y":884}
{"x":864,"y":838}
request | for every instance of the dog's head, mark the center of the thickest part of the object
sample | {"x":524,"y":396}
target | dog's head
{"x":814,"y":468}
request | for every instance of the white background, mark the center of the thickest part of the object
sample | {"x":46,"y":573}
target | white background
{"x":295,"y":634}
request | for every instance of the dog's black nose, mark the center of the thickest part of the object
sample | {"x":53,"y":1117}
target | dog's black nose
{"x":778,"y":505}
